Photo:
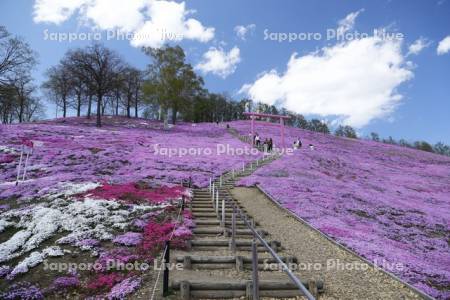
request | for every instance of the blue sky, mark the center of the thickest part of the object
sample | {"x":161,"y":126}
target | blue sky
{"x":372,"y":83}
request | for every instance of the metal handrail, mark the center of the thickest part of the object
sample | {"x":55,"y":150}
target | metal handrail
{"x":285,"y":268}
{"x":291,"y":275}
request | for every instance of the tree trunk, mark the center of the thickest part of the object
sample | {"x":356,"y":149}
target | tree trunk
{"x":136,"y":103}
{"x":89,"y":107}
{"x":117,"y":105}
{"x":174,"y":115}
{"x":165,"y":118}
{"x":128,"y":106}
{"x":64,"y":107}
{"x":99,"y":109}
{"x":21,"y":108}
{"x":78,"y":105}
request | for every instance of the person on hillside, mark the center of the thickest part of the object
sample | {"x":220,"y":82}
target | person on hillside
{"x":270,"y":146}
{"x":297,"y":143}
{"x":311,"y":147}
{"x":257,"y":140}
{"x":266,"y":145}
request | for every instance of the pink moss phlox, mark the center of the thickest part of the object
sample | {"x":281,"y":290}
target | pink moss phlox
{"x":128,"y":239}
{"x":6,"y":158}
{"x":23,"y":291}
{"x":4,"y":271}
{"x":4,"y":207}
{"x":139,"y":223}
{"x":115,"y":256}
{"x":124,"y":288}
{"x":65,"y":282}
{"x":104,"y":282}
{"x":133,"y":193}
{"x":156,"y":234}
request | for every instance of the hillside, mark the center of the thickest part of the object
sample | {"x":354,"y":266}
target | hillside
{"x":389,"y":204}
{"x":94,"y":195}
{"x":123,"y":150}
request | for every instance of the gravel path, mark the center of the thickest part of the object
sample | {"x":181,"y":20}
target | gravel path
{"x":348,"y":278}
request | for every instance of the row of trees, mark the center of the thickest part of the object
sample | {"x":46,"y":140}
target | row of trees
{"x":439,"y":148}
{"x":94,"y":75}
{"x":97,"y":79}
{"x":18,"y":100}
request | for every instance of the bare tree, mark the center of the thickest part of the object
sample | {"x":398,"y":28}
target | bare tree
{"x":24,"y":90}
{"x":131,"y":89}
{"x":58,"y":86}
{"x":98,"y":66}
{"x":16,"y":61}
{"x":16,"y":56}
{"x":79,"y":90}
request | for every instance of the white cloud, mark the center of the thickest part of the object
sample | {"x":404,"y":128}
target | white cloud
{"x":170,"y":17}
{"x":348,"y":22}
{"x":113,"y":14}
{"x":147,"y":19}
{"x":353,"y":82}
{"x":444,"y":46}
{"x":55,"y":11}
{"x":242,"y":31}
{"x":418,"y":45}
{"x":219,"y":62}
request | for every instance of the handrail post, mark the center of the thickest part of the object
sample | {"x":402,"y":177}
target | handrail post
{"x":166,"y":261}
{"x":223,"y":212}
{"x":255,"y":280}
{"x":217,"y":202}
{"x":233,"y":229}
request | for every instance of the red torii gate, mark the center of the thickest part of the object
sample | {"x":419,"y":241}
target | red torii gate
{"x":253,"y":116}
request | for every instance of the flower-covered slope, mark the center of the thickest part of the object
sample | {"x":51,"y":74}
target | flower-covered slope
{"x":123,"y":150}
{"x":389,"y":204}
{"x":98,"y":196}
{"x":87,"y":221}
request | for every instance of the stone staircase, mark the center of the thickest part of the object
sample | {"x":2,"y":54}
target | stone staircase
{"x":218,"y":265}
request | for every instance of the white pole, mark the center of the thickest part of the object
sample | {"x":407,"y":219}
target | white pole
{"x":257,"y":162}
{"x":232,"y":174}
{"x":243,"y":167}
{"x":220,"y":179}
{"x":210,"y":185}
{"x":25,"y":167}
{"x":217,"y":202}
{"x":223,"y":212}
{"x":19,"y":167}
{"x":212,"y":194}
